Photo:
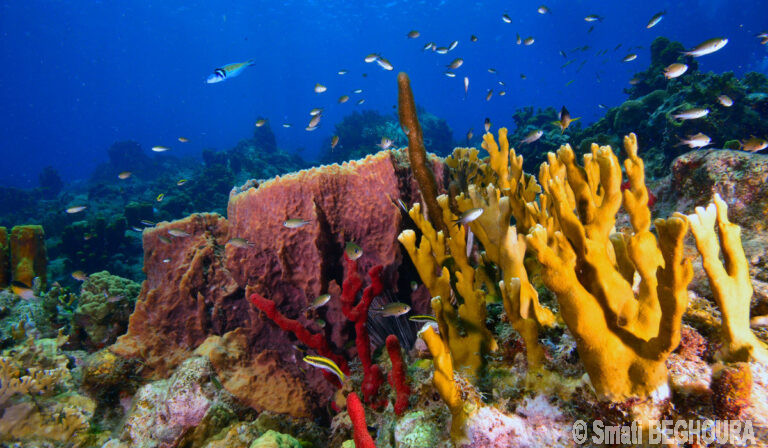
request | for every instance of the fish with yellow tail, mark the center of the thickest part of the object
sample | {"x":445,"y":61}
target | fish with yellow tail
{"x":565,"y":120}
{"x":353,"y":251}
{"x":228,"y":71}
{"x":323,"y":363}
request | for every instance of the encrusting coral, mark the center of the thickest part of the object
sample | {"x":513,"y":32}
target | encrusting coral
{"x":730,"y":281}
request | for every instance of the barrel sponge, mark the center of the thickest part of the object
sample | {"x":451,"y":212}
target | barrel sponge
{"x":28,"y":255}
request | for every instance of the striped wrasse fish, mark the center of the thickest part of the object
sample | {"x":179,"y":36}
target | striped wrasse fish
{"x":228,"y":71}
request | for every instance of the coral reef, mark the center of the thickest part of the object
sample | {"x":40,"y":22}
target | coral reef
{"x":5,"y":273}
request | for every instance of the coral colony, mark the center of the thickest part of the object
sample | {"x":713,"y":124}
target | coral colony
{"x":407,"y":300}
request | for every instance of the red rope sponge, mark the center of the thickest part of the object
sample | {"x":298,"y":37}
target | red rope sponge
{"x":397,"y":377}
{"x":357,"y":414}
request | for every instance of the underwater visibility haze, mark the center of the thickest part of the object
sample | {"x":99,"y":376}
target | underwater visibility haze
{"x":383,"y":224}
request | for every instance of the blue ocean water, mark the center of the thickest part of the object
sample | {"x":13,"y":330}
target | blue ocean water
{"x":77,"y":76}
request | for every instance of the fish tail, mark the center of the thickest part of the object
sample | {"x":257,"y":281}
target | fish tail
{"x":251,"y":62}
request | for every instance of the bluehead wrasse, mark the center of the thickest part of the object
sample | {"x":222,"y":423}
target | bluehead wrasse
{"x":422,"y":318}
{"x":228,"y":71}
{"x":326,"y":364}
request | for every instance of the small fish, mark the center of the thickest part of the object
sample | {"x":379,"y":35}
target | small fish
{"x":343,"y":72}
{"x":492,"y":71}
{"x":22,"y":290}
{"x":323,"y":363}
{"x":310,"y":128}
{"x":487,"y":124}
{"x":393,"y":309}
{"x":177,"y":233}
{"x":532,"y":136}
{"x":160,"y":197}
{"x":695,"y":141}
{"x":570,"y":82}
{"x":758,"y":321}
{"x":456,"y":63}
{"x":385,"y":64}
{"x":316,"y":111}
{"x":320,"y":323}
{"x":449,"y":74}
{"x":319,"y":301}
{"x":428,"y":46}
{"x":655,"y":19}
{"x":594,"y":18}
{"x":371,"y":57}
{"x":562,"y":53}
{"x":80,"y":276}
{"x":294,"y":223}
{"x":240,"y":243}
{"x":160,"y":148}
{"x":343,"y":99}
{"x":675,"y":70}
{"x":630,"y":57}
{"x":360,"y":101}
{"x":413,"y":34}
{"x":518,"y":41}
{"x":453,"y":45}
{"x":635,"y":81}
{"x":319,"y":88}
{"x":522,"y":76}
{"x":489,"y":95}
{"x":466,"y":86}
{"x":725,"y":100}
{"x":502,"y":93}
{"x":76,"y":209}
{"x":357,"y":91}
{"x":528,"y":41}
{"x":602,"y":106}
{"x":754,"y":144}
{"x":468,"y":216}
{"x":183,"y":139}
{"x":473,"y":38}
{"x":707,"y":47}
{"x":260,"y":122}
{"x":543,"y":9}
{"x":692,"y":114}
{"x":353,"y":251}
{"x":315,"y":120}
{"x":228,"y":71}
{"x":385,"y":143}
{"x":422,"y":318}
{"x":136,"y":229}
{"x":286,"y":125}
{"x":506,"y":18}
{"x":565,"y":120}
{"x":414,"y":285}
{"x":441,"y":50}
{"x":124,"y":175}
{"x":470,"y":134}
{"x":181,"y":182}
{"x":164,"y":239}
{"x":334,"y":141}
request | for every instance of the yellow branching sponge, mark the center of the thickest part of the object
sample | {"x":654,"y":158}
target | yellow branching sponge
{"x":461,"y":319}
{"x":623,"y":338}
{"x":445,"y":384}
{"x":729,"y":280}
{"x":506,"y":249}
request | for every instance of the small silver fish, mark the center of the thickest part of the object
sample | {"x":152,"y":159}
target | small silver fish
{"x":469,"y":216}
{"x":319,"y":301}
{"x":393,"y":309}
{"x":294,"y":223}
{"x":675,"y":70}
{"x":707,"y":47}
{"x":319,"y":88}
{"x":456,"y":63}
{"x":532,"y":136}
{"x":695,"y":141}
{"x":241,"y":243}
{"x":725,"y":100}
{"x":385,"y":64}
{"x":692,"y":114}
{"x":77,"y":209}
{"x":385,"y":143}
{"x":655,"y":19}
{"x":178,"y":233}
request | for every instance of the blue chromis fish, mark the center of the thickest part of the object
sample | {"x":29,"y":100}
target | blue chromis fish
{"x":323,"y":363}
{"x":228,"y":71}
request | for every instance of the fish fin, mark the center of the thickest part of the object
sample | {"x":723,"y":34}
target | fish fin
{"x":574,"y":119}
{"x":251,"y":62}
